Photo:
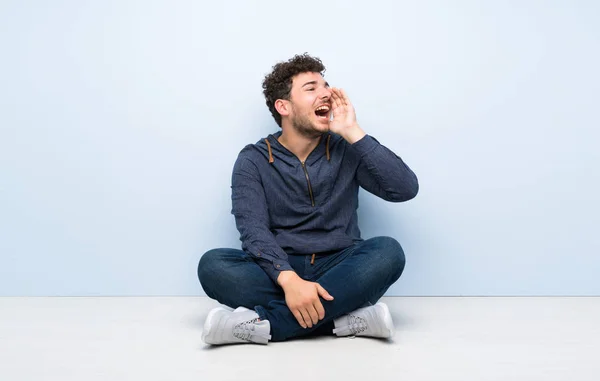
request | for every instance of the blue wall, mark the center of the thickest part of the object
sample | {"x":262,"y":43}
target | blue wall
{"x":120,"y":122}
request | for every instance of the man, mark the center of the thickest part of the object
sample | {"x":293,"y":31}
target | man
{"x":304,"y":268}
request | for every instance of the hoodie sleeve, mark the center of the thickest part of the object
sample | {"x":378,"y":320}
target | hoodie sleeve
{"x":249,"y":206}
{"x":383,"y":173}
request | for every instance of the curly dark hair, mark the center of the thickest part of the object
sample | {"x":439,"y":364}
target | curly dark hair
{"x":278,"y":83}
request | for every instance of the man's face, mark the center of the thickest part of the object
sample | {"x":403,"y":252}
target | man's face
{"x":310,"y":99}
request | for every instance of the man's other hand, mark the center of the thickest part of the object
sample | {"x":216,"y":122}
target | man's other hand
{"x":302,"y":298}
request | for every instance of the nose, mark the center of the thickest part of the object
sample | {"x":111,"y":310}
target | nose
{"x":326,"y":94}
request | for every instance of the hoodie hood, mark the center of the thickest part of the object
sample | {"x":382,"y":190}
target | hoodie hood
{"x":273,"y":150}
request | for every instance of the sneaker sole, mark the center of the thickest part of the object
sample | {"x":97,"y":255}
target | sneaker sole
{"x":387,"y":319}
{"x":208,"y":322}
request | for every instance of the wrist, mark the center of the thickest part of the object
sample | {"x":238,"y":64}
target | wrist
{"x":286,"y":277}
{"x":354,"y":134}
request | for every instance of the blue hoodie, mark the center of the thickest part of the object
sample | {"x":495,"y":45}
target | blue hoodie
{"x":285,"y":207}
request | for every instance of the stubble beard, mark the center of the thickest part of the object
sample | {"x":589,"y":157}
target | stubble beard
{"x":303,"y":125}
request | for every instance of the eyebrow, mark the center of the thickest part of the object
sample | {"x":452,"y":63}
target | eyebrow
{"x":314,"y":83}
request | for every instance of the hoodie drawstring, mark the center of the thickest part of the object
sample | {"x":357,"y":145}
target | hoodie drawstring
{"x":271,"y":160}
{"x":270,"y":153}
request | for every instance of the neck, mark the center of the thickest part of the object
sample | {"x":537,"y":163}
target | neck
{"x":300,"y":145}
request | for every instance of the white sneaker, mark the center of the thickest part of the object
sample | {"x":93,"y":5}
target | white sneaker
{"x":372,"y":321}
{"x":240,"y":308}
{"x":238,"y":326}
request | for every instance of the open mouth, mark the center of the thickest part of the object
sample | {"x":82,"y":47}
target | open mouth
{"x":322,"y":112}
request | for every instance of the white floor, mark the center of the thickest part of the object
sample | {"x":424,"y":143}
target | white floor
{"x":154,"y":338}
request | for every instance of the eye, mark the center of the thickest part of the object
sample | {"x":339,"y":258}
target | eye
{"x":310,"y":89}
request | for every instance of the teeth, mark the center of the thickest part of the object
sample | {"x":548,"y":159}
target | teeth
{"x":325,"y":108}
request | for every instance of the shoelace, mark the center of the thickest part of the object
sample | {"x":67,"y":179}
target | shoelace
{"x":356,"y":324}
{"x":244,"y":330}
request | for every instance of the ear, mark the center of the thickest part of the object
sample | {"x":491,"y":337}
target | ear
{"x":283,"y":107}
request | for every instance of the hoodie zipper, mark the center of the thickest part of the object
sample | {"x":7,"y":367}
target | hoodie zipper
{"x":312,"y":200}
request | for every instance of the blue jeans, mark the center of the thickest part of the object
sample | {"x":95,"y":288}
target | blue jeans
{"x":357,"y":275}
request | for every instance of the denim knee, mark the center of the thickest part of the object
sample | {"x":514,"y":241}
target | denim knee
{"x":391,"y":256}
{"x":207,"y":268}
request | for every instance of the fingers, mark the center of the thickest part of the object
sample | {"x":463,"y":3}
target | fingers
{"x":335,"y":99}
{"x":339,"y":96}
{"x":306,"y":305}
{"x":299,"y":317}
{"x":344,"y":97}
{"x":314,"y":316}
{"x":323,"y":293}
{"x":307,"y":317}
{"x":320,"y":310}
{"x":319,"y":306}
